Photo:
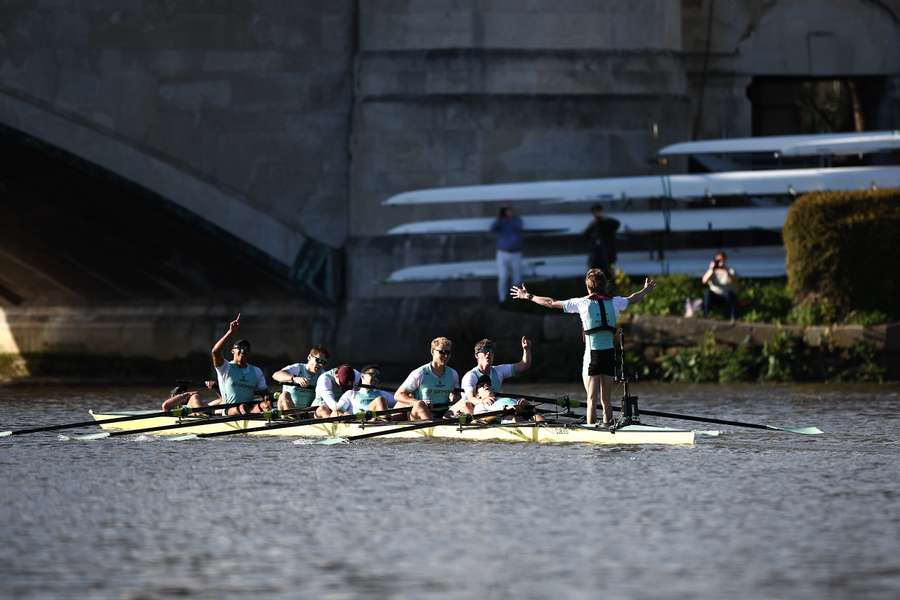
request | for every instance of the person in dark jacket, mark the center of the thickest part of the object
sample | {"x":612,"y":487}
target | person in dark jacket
{"x":601,"y":236}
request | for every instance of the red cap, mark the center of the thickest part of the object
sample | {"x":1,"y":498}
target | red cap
{"x":345,"y":377}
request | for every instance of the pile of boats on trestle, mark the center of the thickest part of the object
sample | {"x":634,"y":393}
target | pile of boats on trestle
{"x":739,"y":191}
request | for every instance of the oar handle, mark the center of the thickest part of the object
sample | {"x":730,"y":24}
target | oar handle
{"x":539,"y":399}
{"x":427,"y":424}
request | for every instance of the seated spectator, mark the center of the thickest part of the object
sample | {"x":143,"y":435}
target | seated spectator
{"x":720,"y":280}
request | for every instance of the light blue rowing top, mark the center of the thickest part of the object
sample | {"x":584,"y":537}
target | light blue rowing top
{"x":302,"y":396}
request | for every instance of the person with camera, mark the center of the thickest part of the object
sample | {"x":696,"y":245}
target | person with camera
{"x":720,"y":281}
{"x":508,"y":228}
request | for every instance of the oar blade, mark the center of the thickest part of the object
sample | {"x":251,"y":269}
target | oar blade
{"x":180,"y":438}
{"x":5,"y":434}
{"x":707,"y":432}
{"x":89,"y":436}
{"x":800,"y":430}
{"x":332,"y":441}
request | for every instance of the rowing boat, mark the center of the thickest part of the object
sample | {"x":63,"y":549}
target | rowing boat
{"x":520,"y":432}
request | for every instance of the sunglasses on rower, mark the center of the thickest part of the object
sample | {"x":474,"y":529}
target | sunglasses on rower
{"x":442,"y":351}
{"x":319,"y":360}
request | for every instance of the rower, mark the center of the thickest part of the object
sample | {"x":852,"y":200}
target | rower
{"x":433,"y":386}
{"x":367,"y":397}
{"x":487,"y":401}
{"x":238,"y":380}
{"x":179,"y":396}
{"x":484,"y":356}
{"x":299,"y":379}
{"x":598,"y":314}
{"x":330,"y":386}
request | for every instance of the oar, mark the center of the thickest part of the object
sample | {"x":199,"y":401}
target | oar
{"x":273,"y":415}
{"x":422,"y":425}
{"x":538,"y":399}
{"x":666,"y":415}
{"x":180,"y":412}
{"x":392,"y":411}
{"x":801,"y":430}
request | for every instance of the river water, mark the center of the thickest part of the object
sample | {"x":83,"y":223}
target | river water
{"x":748,"y":514}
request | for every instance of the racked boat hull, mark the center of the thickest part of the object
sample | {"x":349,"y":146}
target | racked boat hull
{"x":544,"y":434}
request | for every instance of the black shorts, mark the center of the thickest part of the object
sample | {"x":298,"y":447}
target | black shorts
{"x":603,"y":362}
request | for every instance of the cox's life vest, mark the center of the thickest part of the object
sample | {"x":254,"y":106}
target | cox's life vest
{"x":601,"y":323}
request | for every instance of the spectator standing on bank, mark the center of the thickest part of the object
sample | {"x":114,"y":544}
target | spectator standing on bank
{"x":508,"y":228}
{"x":720,"y":280}
{"x":601,"y":236}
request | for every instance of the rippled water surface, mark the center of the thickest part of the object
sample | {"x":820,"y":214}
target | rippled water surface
{"x":749,"y":514}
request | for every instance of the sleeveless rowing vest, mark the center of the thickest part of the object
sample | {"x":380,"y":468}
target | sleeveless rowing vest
{"x":238,"y":384}
{"x":303,"y":397}
{"x":433,"y":389}
{"x":601,"y":324}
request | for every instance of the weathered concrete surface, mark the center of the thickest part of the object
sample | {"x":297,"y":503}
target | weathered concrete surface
{"x":239,"y":111}
{"x":404,"y":25}
{"x":490,"y":91}
{"x":163,"y":331}
{"x":791,"y":38}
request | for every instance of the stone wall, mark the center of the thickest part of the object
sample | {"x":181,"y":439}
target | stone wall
{"x":787,"y":38}
{"x":491,"y":91}
{"x":238,"y":110}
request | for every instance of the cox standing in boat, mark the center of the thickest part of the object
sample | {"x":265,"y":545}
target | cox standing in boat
{"x":239,"y":381}
{"x":598,"y":314}
{"x":432,"y":386}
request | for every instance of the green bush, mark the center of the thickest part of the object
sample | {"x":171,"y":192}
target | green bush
{"x":861,"y":365}
{"x":668,"y":297}
{"x":867,"y":317}
{"x":786,"y":358}
{"x":760,"y":300}
{"x":741,"y":364}
{"x":711,"y":362}
{"x":842,"y":253}
{"x":812,"y":310}
{"x":764,"y":301}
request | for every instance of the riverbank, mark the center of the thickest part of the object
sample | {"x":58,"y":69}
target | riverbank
{"x":164,"y":343}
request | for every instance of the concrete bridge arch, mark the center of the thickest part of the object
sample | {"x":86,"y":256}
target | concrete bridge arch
{"x":227,"y":209}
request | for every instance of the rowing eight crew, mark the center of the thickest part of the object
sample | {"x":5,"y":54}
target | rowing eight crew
{"x":432,"y":388}
{"x":435,"y":384}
